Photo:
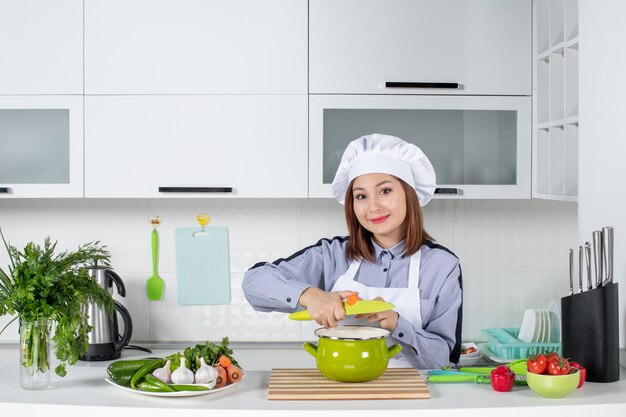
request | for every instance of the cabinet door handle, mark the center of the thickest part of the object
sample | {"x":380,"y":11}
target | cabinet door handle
{"x":446,"y":190}
{"x":5,"y":190}
{"x":400,"y":84}
{"x":195,"y":189}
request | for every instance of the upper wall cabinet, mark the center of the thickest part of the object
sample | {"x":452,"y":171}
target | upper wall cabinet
{"x":479,"y":146}
{"x":41,"y":146}
{"x":195,"y":47}
{"x":196,"y":146}
{"x":41,"y":47}
{"x":420,"y":47}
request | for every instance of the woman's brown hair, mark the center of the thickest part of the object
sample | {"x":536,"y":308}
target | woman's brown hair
{"x":360,"y":242}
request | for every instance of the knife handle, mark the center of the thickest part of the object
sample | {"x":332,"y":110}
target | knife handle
{"x":581,"y":255}
{"x":607,"y":247}
{"x":300,"y":315}
{"x":476,"y":378}
{"x":597,"y":256}
{"x":477,"y":369}
{"x":588,"y":264}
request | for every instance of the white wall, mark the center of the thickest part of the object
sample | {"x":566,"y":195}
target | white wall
{"x":513,"y":254}
{"x":602,"y":146}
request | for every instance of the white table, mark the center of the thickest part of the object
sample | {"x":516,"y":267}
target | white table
{"x":83,"y":392}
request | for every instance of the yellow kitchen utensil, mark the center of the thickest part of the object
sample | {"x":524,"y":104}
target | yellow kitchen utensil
{"x":360,"y":307}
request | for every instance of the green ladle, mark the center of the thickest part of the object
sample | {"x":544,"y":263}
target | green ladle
{"x":154,"y":285}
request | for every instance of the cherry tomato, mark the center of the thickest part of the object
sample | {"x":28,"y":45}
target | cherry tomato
{"x":502,"y":380}
{"x":558,"y":366}
{"x":551,"y":355}
{"x":582,"y":370}
{"x":537,"y":364}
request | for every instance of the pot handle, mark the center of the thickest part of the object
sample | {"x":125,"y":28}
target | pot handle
{"x":393,"y":350}
{"x":311,"y":348}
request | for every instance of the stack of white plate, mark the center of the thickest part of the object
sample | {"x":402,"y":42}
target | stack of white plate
{"x":536,"y":327}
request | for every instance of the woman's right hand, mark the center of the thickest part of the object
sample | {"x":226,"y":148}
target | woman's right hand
{"x":324,"y":307}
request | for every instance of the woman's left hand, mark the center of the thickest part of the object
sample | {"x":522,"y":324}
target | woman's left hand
{"x":388,"y":319}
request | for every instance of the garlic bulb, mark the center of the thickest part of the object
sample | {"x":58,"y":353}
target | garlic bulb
{"x":164,"y":374}
{"x":205,"y":374}
{"x":182,"y":375}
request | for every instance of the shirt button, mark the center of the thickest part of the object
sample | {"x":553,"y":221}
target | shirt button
{"x":288,"y":299}
{"x":401,"y":334}
{"x":385,"y":270}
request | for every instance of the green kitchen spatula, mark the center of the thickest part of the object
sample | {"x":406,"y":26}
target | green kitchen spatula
{"x":154,"y":286}
{"x":360,"y":307}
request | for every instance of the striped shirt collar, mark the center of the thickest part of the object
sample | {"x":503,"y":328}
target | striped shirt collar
{"x":397,"y":250}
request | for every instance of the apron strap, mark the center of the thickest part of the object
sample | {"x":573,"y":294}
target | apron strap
{"x":414,"y":269}
{"x":352,"y":269}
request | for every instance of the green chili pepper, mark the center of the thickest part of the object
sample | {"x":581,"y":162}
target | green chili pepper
{"x":144,"y":370}
{"x":151,"y":379}
{"x":183,"y":387}
{"x":144,"y":386}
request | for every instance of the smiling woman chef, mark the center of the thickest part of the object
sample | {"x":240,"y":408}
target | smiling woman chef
{"x":384,"y":182}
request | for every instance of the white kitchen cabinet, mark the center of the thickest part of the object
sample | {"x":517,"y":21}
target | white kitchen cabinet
{"x":480,"y":147}
{"x":196,"y":146}
{"x":555,"y":119}
{"x":195,"y":47}
{"x":41,"y":146}
{"x":41,"y":47}
{"x":358,"y":46}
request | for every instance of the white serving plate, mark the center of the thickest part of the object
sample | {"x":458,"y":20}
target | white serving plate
{"x":555,"y":322}
{"x":528,"y":329}
{"x":177,"y":393}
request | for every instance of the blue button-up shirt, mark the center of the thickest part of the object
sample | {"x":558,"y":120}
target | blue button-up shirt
{"x":277,"y":286}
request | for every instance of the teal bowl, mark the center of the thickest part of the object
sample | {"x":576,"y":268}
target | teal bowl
{"x":553,"y":386}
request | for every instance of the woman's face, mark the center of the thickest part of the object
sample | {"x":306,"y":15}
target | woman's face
{"x":380,"y":206}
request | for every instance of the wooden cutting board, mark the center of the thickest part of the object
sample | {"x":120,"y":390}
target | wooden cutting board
{"x":310,"y":384}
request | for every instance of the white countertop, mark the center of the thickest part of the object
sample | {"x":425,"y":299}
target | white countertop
{"x":84,"y":392}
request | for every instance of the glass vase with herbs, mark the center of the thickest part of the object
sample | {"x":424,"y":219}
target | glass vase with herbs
{"x":45,"y":292}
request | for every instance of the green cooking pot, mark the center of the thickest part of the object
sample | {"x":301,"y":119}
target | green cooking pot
{"x":352,"y":353}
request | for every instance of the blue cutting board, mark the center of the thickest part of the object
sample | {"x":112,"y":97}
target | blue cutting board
{"x":202,"y":266}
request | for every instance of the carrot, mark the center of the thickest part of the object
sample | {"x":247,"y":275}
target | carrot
{"x":222,"y":376}
{"x":224,"y":361}
{"x":234,"y":373}
{"x":351,"y":300}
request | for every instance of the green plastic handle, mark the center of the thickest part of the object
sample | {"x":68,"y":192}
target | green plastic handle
{"x":477,"y":370}
{"x":311,"y":348}
{"x":393,"y":350}
{"x":155,"y":251}
{"x":478,"y":379}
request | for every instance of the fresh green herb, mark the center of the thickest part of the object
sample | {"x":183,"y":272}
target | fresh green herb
{"x":40,"y":286}
{"x":209,"y":351}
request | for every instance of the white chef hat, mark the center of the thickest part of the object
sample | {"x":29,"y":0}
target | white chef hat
{"x":385,"y":154}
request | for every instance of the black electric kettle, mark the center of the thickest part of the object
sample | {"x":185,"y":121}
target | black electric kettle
{"x":105,"y":341}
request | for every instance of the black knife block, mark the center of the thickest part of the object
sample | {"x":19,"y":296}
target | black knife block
{"x":590,"y":332}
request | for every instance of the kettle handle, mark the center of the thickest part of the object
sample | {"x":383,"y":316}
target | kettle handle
{"x":128,"y":327}
{"x":121,"y":289}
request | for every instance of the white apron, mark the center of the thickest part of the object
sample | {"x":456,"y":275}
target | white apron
{"x":405,"y":300}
